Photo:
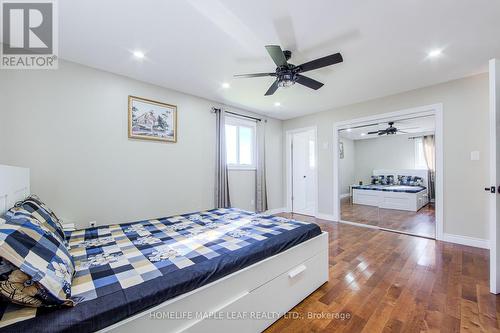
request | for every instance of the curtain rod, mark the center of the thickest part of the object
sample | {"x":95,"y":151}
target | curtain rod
{"x":238,"y":114}
{"x":419,"y":136}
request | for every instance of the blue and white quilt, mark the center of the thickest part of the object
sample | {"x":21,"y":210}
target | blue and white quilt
{"x":123,"y":269}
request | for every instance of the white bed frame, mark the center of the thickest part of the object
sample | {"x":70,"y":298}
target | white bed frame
{"x":394,"y":200}
{"x":248,"y":300}
{"x":14,"y":186}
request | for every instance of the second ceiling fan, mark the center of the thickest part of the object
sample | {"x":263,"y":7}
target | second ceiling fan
{"x":288,"y":74}
{"x":391,"y":130}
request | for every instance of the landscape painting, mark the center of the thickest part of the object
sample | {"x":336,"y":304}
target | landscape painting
{"x":151,"y":120}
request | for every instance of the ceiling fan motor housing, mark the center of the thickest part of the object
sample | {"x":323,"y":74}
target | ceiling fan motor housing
{"x":286,"y":76}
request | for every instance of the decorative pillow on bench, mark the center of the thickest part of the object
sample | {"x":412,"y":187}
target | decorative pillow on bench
{"x":410,"y":180}
{"x":404,"y":180}
{"x":383,"y":180}
{"x":43,"y":266}
{"x":388,"y":180}
{"x":378,"y":180}
{"x":418,"y":181}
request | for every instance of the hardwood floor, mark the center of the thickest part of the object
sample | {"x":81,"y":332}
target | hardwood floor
{"x":389,"y":282}
{"x":421,"y":223}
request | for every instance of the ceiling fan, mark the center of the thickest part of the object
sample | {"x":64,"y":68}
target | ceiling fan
{"x":391,"y":130}
{"x":288,"y":74}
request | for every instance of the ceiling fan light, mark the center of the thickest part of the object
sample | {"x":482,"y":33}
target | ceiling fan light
{"x":286,"y":83}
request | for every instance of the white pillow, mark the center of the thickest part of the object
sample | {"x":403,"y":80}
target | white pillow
{"x":2,"y":220}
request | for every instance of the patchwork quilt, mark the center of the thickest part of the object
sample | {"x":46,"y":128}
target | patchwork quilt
{"x":391,"y":188}
{"x":123,"y":269}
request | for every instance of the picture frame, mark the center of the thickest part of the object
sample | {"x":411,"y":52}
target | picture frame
{"x":151,"y":120}
{"x":341,"y":150}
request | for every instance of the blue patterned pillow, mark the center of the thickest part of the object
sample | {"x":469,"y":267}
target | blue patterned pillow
{"x":378,"y":180}
{"x":41,"y":256}
{"x":389,"y":180}
{"x":417,"y":181}
{"x":42,"y":213}
{"x":404,"y":180}
{"x":20,"y":214}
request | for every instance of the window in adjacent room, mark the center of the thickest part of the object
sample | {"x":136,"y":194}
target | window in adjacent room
{"x":240,"y":143}
{"x":420,"y":162}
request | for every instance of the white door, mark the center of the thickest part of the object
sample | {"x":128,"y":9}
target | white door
{"x":493,"y":187}
{"x":303,"y":172}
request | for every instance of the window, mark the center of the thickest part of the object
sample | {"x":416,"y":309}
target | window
{"x":420,"y":162}
{"x":240,"y":143}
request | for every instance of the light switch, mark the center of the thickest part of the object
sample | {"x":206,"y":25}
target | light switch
{"x":474,"y":155}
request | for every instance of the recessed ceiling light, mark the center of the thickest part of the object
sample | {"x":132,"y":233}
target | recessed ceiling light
{"x":277,"y":104}
{"x":435,"y":53}
{"x":139,"y":54}
{"x":363,"y":134}
{"x":349,"y":130}
{"x":225,"y":85}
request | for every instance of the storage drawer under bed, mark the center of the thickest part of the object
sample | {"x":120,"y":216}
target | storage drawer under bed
{"x":275,"y":284}
{"x":250,"y":313}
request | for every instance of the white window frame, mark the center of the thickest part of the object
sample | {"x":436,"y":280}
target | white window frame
{"x":241,"y":122}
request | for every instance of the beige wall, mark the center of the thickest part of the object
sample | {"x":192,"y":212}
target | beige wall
{"x":69,"y":126}
{"x":466,"y":128}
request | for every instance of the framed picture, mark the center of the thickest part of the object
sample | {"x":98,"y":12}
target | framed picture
{"x":341,"y":150}
{"x":151,"y":120}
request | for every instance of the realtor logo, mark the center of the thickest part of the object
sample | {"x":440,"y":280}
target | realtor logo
{"x":29,"y":39}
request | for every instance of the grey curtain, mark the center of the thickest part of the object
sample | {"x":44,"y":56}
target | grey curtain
{"x":260,"y":177}
{"x":430,"y":159}
{"x":222,"y":199}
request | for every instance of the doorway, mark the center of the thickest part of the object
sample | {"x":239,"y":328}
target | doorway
{"x":388,"y":172}
{"x":302,"y":171}
{"x":493,"y":187}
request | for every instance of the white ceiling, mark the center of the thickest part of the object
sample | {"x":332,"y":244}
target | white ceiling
{"x":195,"y":45}
{"x":417,"y":125}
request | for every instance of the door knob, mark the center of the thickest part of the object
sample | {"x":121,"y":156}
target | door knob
{"x":304,"y":176}
{"x":491,"y":189}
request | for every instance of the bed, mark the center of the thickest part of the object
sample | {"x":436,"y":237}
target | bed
{"x":393,"y":196}
{"x":221,"y":270}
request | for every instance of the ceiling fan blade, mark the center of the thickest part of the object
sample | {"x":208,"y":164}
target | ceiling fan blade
{"x":404,"y":132}
{"x":272,"y":89}
{"x":321,"y":62}
{"x":277,"y":54}
{"x":308,"y":82}
{"x":254,"y":75}
{"x":375,"y":132}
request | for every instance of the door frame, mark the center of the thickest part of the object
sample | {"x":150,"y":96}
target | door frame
{"x":288,"y":159}
{"x":493,"y":226}
{"x":434,"y":109}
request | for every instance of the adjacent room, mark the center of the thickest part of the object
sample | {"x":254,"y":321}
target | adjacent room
{"x":387,"y":175}
{"x":249,"y":166}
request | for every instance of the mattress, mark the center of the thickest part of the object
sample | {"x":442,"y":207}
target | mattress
{"x":124,"y":269}
{"x":391,"y":188}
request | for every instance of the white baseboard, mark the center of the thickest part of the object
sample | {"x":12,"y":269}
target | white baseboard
{"x":275,"y":211}
{"x":457,"y":239}
{"x":327,"y":217}
{"x":465,"y":240}
{"x":345,"y":195}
